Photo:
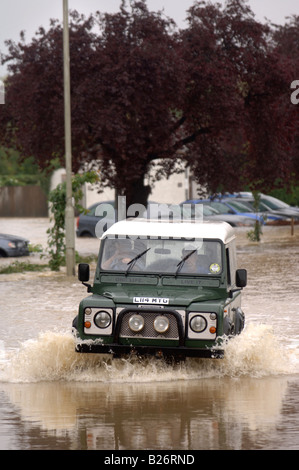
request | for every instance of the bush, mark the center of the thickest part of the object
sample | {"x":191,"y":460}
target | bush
{"x":57,"y":198}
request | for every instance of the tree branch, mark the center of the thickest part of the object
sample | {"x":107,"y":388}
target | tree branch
{"x":179,"y":144}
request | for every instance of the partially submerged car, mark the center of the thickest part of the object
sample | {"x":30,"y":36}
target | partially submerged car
{"x":86,"y":222}
{"x":12,"y":245}
{"x":162,"y":288}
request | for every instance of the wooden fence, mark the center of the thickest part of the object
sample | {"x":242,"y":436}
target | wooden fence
{"x":23,"y":201}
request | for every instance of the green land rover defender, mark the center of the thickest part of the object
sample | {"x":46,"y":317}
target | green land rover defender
{"x":162,"y":288}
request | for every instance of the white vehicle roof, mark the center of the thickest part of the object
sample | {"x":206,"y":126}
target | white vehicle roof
{"x":189,"y":230}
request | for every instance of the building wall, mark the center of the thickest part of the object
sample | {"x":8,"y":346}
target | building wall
{"x":170,"y":191}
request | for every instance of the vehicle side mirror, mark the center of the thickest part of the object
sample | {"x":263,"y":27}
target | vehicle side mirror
{"x":83,"y":272}
{"x":83,"y":275}
{"x":241,"y":278}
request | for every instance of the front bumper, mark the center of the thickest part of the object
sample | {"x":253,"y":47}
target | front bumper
{"x":176,"y":352}
{"x":16,"y":252}
{"x":20,"y":249}
{"x":122,"y":344}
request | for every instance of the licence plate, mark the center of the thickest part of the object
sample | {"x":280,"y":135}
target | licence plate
{"x":151,"y":300}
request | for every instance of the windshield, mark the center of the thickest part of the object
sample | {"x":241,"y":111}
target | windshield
{"x":239,"y":206}
{"x":274,"y":203}
{"x":196,"y":211}
{"x":162,"y":256}
{"x":220,"y":207}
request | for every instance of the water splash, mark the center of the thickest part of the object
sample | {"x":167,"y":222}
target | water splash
{"x":257,"y":352}
{"x":52,"y":357}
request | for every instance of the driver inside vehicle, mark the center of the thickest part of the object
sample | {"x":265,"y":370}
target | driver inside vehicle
{"x":193,"y":263}
{"x":123,"y":255}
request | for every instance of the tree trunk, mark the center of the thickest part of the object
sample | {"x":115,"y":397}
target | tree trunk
{"x":136,"y":192}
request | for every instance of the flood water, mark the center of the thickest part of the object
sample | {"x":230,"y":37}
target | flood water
{"x":53,"y":398}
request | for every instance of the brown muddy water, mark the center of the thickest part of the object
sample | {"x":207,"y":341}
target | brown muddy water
{"x":53,"y":398}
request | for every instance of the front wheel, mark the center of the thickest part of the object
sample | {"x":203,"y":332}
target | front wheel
{"x":75,"y":323}
{"x":239,"y":321}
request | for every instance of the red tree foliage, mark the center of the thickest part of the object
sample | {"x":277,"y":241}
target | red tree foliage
{"x":286,"y":43}
{"x":214,"y":96}
{"x":245,"y":99}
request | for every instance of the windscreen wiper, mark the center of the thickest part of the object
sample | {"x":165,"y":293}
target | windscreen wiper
{"x":181,"y":263}
{"x":133,"y":261}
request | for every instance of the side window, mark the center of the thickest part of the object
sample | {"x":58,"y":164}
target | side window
{"x":231,"y":264}
{"x":228,"y":267}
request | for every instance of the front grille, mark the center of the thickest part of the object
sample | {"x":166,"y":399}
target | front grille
{"x":148,"y":330}
{"x":22,"y":245}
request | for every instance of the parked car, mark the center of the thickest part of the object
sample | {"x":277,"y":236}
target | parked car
{"x":271,"y":205}
{"x":12,"y":245}
{"x":94,"y":222}
{"x":187,"y":210}
{"x":272,"y":216}
{"x":86,"y":222}
{"x":264,"y":216}
{"x":230,"y":206}
{"x":277,"y":204}
{"x":213,"y":214}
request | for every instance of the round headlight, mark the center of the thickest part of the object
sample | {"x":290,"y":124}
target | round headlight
{"x":136,"y":323}
{"x":161,"y":324}
{"x":102,"y":319}
{"x":198,"y":324}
